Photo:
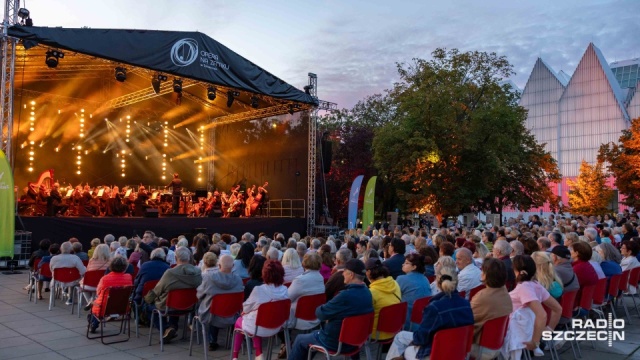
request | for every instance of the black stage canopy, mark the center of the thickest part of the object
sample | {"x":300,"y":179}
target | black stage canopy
{"x":190,"y":55}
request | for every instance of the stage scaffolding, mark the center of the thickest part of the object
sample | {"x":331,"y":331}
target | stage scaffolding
{"x":40,"y":72}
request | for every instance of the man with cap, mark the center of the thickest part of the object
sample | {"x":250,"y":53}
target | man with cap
{"x":355,"y":299}
{"x":561,"y":258}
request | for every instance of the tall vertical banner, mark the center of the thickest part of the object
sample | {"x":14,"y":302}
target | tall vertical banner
{"x":353,"y":201}
{"x":367,"y":208}
{"x":7,"y":208}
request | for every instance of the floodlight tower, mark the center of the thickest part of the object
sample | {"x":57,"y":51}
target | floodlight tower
{"x":8,"y":50}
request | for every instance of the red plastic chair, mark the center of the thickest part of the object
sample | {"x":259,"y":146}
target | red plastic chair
{"x":135,"y":271}
{"x":391,"y":319}
{"x":223,"y":306}
{"x":271,"y":315}
{"x":287,"y":284}
{"x":306,"y":310}
{"x":552,"y":348}
{"x":475,"y":290}
{"x":599,"y":295}
{"x":91,"y":279}
{"x":148,"y":286}
{"x":452,"y":344}
{"x":418,"y":309}
{"x":567,"y":303}
{"x":431,"y":278}
{"x":116,"y":303}
{"x":61,"y":279}
{"x":462,"y":294}
{"x":245,"y":281}
{"x":624,"y":287}
{"x":179,"y":302}
{"x":634,"y":278}
{"x":355,"y":331}
{"x":85,"y":263}
{"x":493,"y":334}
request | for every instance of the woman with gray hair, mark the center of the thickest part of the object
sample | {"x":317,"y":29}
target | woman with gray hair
{"x":610,"y":259}
{"x":301,"y":248}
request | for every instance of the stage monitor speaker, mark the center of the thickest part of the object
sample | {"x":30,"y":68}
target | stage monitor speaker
{"x":215,"y":213}
{"x":151,"y":213}
{"x":201,"y":193}
{"x":200,"y":230}
{"x":174,"y":215}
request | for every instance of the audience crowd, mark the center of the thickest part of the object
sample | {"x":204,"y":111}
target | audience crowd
{"x":470,"y":275}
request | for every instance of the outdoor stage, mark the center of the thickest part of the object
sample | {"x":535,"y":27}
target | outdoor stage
{"x":59,"y":229}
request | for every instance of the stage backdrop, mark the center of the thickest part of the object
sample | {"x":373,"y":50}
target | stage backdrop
{"x":7,"y":208}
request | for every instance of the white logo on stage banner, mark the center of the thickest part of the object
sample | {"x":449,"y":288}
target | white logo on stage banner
{"x":184,"y":52}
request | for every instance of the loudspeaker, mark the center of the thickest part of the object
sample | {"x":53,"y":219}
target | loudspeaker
{"x":327,"y":154}
{"x":151,"y":213}
{"x":215,"y":213}
{"x":201,"y":193}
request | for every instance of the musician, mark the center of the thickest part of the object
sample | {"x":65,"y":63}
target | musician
{"x":55,"y":206}
{"x":43,"y":195}
{"x":141,"y":201}
{"x":176,"y":185}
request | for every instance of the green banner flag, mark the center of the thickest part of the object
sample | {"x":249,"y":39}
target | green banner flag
{"x":367,"y":209}
{"x":7,"y":208}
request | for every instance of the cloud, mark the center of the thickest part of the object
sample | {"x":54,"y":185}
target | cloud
{"x":356,"y":56}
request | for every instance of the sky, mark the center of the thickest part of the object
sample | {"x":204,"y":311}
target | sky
{"x":354,"y":45}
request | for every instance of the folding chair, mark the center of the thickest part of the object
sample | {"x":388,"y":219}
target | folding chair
{"x":179,"y":302}
{"x":306,"y":310}
{"x":91,"y":279}
{"x":222,"y":306}
{"x":447,"y":343}
{"x":418,"y":309}
{"x":115,"y":303}
{"x":62,"y":279}
{"x":586,"y":303}
{"x":493,"y":334}
{"x":567,"y":302}
{"x":624,"y":287}
{"x":552,"y":347}
{"x":431,"y":278}
{"x":390,"y":320}
{"x":271,"y":315}
{"x":355,"y":331}
{"x":45,"y":271}
{"x":475,"y":290}
{"x":148,"y":286}
{"x":33,"y":280}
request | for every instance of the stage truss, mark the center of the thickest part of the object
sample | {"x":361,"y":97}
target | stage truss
{"x":32,"y":69}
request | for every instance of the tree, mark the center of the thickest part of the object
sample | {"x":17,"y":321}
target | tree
{"x":623,"y":161}
{"x":589,"y":193}
{"x":457,"y":140}
{"x":351,"y":131}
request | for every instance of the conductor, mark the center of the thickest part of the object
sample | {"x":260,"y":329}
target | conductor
{"x":176,"y":185}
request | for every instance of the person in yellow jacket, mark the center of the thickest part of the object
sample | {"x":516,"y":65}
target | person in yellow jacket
{"x":384,"y":290}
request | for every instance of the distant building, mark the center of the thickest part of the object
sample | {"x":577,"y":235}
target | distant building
{"x":574,"y":115}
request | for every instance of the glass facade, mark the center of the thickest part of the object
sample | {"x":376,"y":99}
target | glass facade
{"x":627,"y":75}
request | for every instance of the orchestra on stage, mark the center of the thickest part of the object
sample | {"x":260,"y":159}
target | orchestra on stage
{"x":47,"y":198}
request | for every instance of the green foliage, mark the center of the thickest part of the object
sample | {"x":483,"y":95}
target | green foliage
{"x":589,"y":193}
{"x":623,"y":160}
{"x":457,"y":139}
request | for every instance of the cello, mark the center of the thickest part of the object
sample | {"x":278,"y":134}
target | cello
{"x":258,"y":198}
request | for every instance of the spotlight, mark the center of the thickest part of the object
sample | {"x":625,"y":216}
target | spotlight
{"x":255,"y":102}
{"x":177,"y":86}
{"x":211,"y":93}
{"x":307,"y":89}
{"x":121,"y":74}
{"x":52,"y":57}
{"x":156,"y":80}
{"x":231,"y":95}
{"x":23,"y":13}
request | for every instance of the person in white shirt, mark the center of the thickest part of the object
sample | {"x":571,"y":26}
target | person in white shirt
{"x":469,"y":275}
{"x":67,"y":260}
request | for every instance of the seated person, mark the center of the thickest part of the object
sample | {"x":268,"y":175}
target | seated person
{"x":490,"y":303}
{"x":214,"y":282}
{"x":54,"y":250}
{"x":354,"y":300}
{"x":446,"y":310}
{"x":117,"y":277}
{"x":149,"y":271}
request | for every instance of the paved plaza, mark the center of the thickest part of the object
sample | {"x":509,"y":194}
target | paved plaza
{"x":30,"y":331}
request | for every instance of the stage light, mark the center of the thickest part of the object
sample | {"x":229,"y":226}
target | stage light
{"x":52,"y":57}
{"x":231,"y":96}
{"x":254,"y":102}
{"x":211,"y":93}
{"x":307,"y":89}
{"x":23,"y":13}
{"x":177,"y":86}
{"x":121,"y":74}
{"x":156,"y":80}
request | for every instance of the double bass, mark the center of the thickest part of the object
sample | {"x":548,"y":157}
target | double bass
{"x":258,"y":198}
{"x":250,"y":201}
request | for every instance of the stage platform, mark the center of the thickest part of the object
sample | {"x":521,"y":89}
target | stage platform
{"x":60,"y":229}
